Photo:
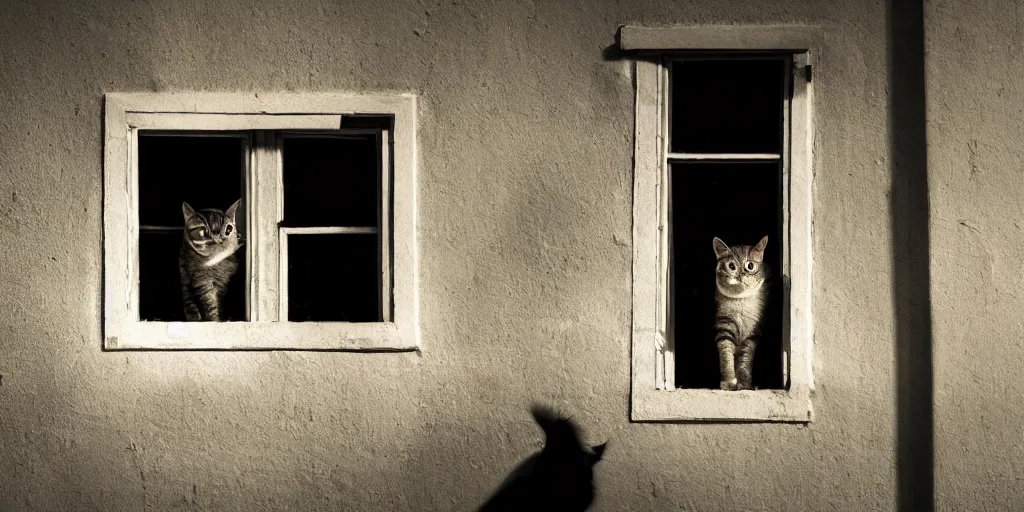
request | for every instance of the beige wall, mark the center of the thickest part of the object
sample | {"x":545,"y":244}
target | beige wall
{"x":976,"y":171}
{"x":525,"y":221}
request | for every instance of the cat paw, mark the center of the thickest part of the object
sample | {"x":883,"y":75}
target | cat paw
{"x":728,"y":385}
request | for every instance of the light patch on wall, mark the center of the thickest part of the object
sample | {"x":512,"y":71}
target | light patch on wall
{"x":177,"y":329}
{"x":225,"y":370}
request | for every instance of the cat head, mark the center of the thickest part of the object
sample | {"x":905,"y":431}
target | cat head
{"x":740,"y":271}
{"x":211,"y":233}
{"x":559,"y":477}
{"x":562,"y":438}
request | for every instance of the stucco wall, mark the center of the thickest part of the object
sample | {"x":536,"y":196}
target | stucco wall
{"x":525,"y":225}
{"x":976,"y":171}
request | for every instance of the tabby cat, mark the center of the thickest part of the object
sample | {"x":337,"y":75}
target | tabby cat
{"x":560,"y":477}
{"x":207,"y":260}
{"x":741,"y":293}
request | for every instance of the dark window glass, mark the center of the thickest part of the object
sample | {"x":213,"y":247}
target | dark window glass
{"x":160,"y":284}
{"x":739,"y":202}
{"x":726,"y":106}
{"x":331,"y":181}
{"x":205,"y":171}
{"x":334,"y":277}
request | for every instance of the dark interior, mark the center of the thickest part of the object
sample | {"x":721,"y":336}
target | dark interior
{"x":720,"y":105}
{"x":207,"y":172}
{"x":160,"y":285}
{"x":333,"y":182}
{"x":739,"y":202}
{"x":727,"y":105}
{"x":334,"y":278}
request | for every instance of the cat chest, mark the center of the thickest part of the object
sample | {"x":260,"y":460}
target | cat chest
{"x":746,"y":313}
{"x":218,"y":274}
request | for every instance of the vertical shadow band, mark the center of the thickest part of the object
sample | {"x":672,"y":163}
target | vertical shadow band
{"x":910,"y":238}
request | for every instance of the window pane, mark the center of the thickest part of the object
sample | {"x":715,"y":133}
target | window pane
{"x":726,"y":106}
{"x":334,"y":278}
{"x":331,"y":181}
{"x":739,"y":203}
{"x":160,"y":283}
{"x":207,"y":172}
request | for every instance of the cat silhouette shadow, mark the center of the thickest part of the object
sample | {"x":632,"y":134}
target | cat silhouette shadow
{"x":559,"y":477}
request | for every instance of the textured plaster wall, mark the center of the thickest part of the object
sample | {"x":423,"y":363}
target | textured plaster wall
{"x":976,"y":170}
{"x":525,"y":225}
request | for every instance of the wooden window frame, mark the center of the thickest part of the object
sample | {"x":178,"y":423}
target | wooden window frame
{"x":268,"y":118}
{"x":654,"y":396}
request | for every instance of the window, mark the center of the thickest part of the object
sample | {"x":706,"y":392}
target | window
{"x":723,"y":149}
{"x":321,"y":188}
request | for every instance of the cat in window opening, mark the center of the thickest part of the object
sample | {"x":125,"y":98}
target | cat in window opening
{"x":741,"y":293}
{"x":559,"y":477}
{"x":207,"y":260}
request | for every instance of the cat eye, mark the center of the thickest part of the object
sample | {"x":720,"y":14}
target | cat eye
{"x":227,"y":230}
{"x":202,"y":233}
{"x":732,"y":266}
{"x":751,"y":266}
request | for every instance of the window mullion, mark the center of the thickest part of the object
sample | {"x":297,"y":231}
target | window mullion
{"x":665,"y":370}
{"x":712,"y":157}
{"x":264,"y":216}
{"x":384,"y":224}
{"x":132,"y":188}
{"x":787,"y":105}
{"x":249,"y":255}
{"x":799,"y":196}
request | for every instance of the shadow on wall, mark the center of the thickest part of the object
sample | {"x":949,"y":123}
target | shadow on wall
{"x":911,"y":278}
{"x":559,"y":477}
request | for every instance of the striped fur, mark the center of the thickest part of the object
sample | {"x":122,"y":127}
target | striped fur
{"x":207,"y":260}
{"x":741,"y":292}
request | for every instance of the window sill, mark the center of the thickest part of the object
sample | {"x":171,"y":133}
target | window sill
{"x":336,"y":336}
{"x":713,"y":405}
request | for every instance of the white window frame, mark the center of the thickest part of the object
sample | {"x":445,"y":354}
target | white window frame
{"x":654,"y":396}
{"x":268,"y":329}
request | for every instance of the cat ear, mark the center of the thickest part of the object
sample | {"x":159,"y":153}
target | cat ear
{"x":598,"y":453}
{"x":757,"y":253}
{"x":187,"y":211}
{"x":544,"y":416}
{"x":230,"y":212}
{"x":720,"y":248}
